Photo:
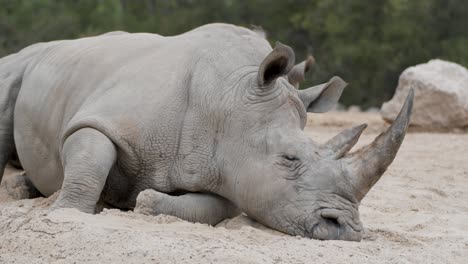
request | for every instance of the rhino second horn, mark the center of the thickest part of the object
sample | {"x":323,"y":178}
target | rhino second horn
{"x":366,"y":166}
{"x":340,"y":144}
{"x":297,"y":74}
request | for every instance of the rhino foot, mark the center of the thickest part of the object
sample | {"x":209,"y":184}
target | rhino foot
{"x":147,"y":202}
{"x":20,"y":187}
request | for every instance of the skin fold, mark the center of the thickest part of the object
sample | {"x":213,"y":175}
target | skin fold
{"x":207,"y":122}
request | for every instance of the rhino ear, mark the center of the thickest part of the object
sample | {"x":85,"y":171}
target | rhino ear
{"x":322,"y":98}
{"x":278,"y":63}
{"x":297,"y":73}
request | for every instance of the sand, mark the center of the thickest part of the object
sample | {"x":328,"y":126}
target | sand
{"x":417,"y":213}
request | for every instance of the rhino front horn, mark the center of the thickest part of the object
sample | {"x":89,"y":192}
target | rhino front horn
{"x":366,"y":166}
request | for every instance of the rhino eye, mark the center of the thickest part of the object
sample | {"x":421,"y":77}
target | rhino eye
{"x":290,"y":157}
{"x":292,"y":164}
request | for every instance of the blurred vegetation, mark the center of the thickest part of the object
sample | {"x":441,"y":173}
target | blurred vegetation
{"x":367,"y":43}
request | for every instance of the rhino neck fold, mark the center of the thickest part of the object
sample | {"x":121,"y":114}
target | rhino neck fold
{"x":193,"y":168}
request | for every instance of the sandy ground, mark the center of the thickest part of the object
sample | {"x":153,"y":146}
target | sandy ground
{"x":417,"y":213}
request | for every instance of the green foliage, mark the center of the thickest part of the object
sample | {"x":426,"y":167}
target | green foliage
{"x":368,"y":43}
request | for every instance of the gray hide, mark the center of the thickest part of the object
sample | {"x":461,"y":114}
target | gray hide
{"x":206,"y":121}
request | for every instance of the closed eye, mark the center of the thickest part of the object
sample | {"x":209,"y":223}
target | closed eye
{"x":290,"y":157}
{"x":292,"y":165}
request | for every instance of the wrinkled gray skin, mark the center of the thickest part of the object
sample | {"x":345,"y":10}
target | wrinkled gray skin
{"x":206,"y":120}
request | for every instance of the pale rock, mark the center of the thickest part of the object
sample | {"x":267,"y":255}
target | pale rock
{"x":441,"y":95}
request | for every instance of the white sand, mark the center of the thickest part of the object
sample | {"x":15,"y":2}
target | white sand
{"x":417,"y":213}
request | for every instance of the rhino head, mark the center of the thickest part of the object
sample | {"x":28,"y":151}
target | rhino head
{"x":282,"y":178}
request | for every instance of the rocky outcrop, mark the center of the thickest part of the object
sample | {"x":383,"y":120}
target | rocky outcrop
{"x":441,"y":96}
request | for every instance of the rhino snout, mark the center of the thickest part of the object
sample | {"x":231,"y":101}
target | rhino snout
{"x":334,"y":226}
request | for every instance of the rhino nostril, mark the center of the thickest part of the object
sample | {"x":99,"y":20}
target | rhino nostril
{"x":330,"y":216}
{"x":331,"y":220}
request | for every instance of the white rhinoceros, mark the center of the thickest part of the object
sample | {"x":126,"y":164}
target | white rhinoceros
{"x":206,"y":120}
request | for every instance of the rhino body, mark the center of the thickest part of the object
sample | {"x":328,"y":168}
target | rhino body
{"x":207,"y":120}
{"x":141,"y":91}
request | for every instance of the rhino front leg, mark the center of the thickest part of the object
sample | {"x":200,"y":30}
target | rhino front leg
{"x":87,"y":157}
{"x":194,"y":207}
